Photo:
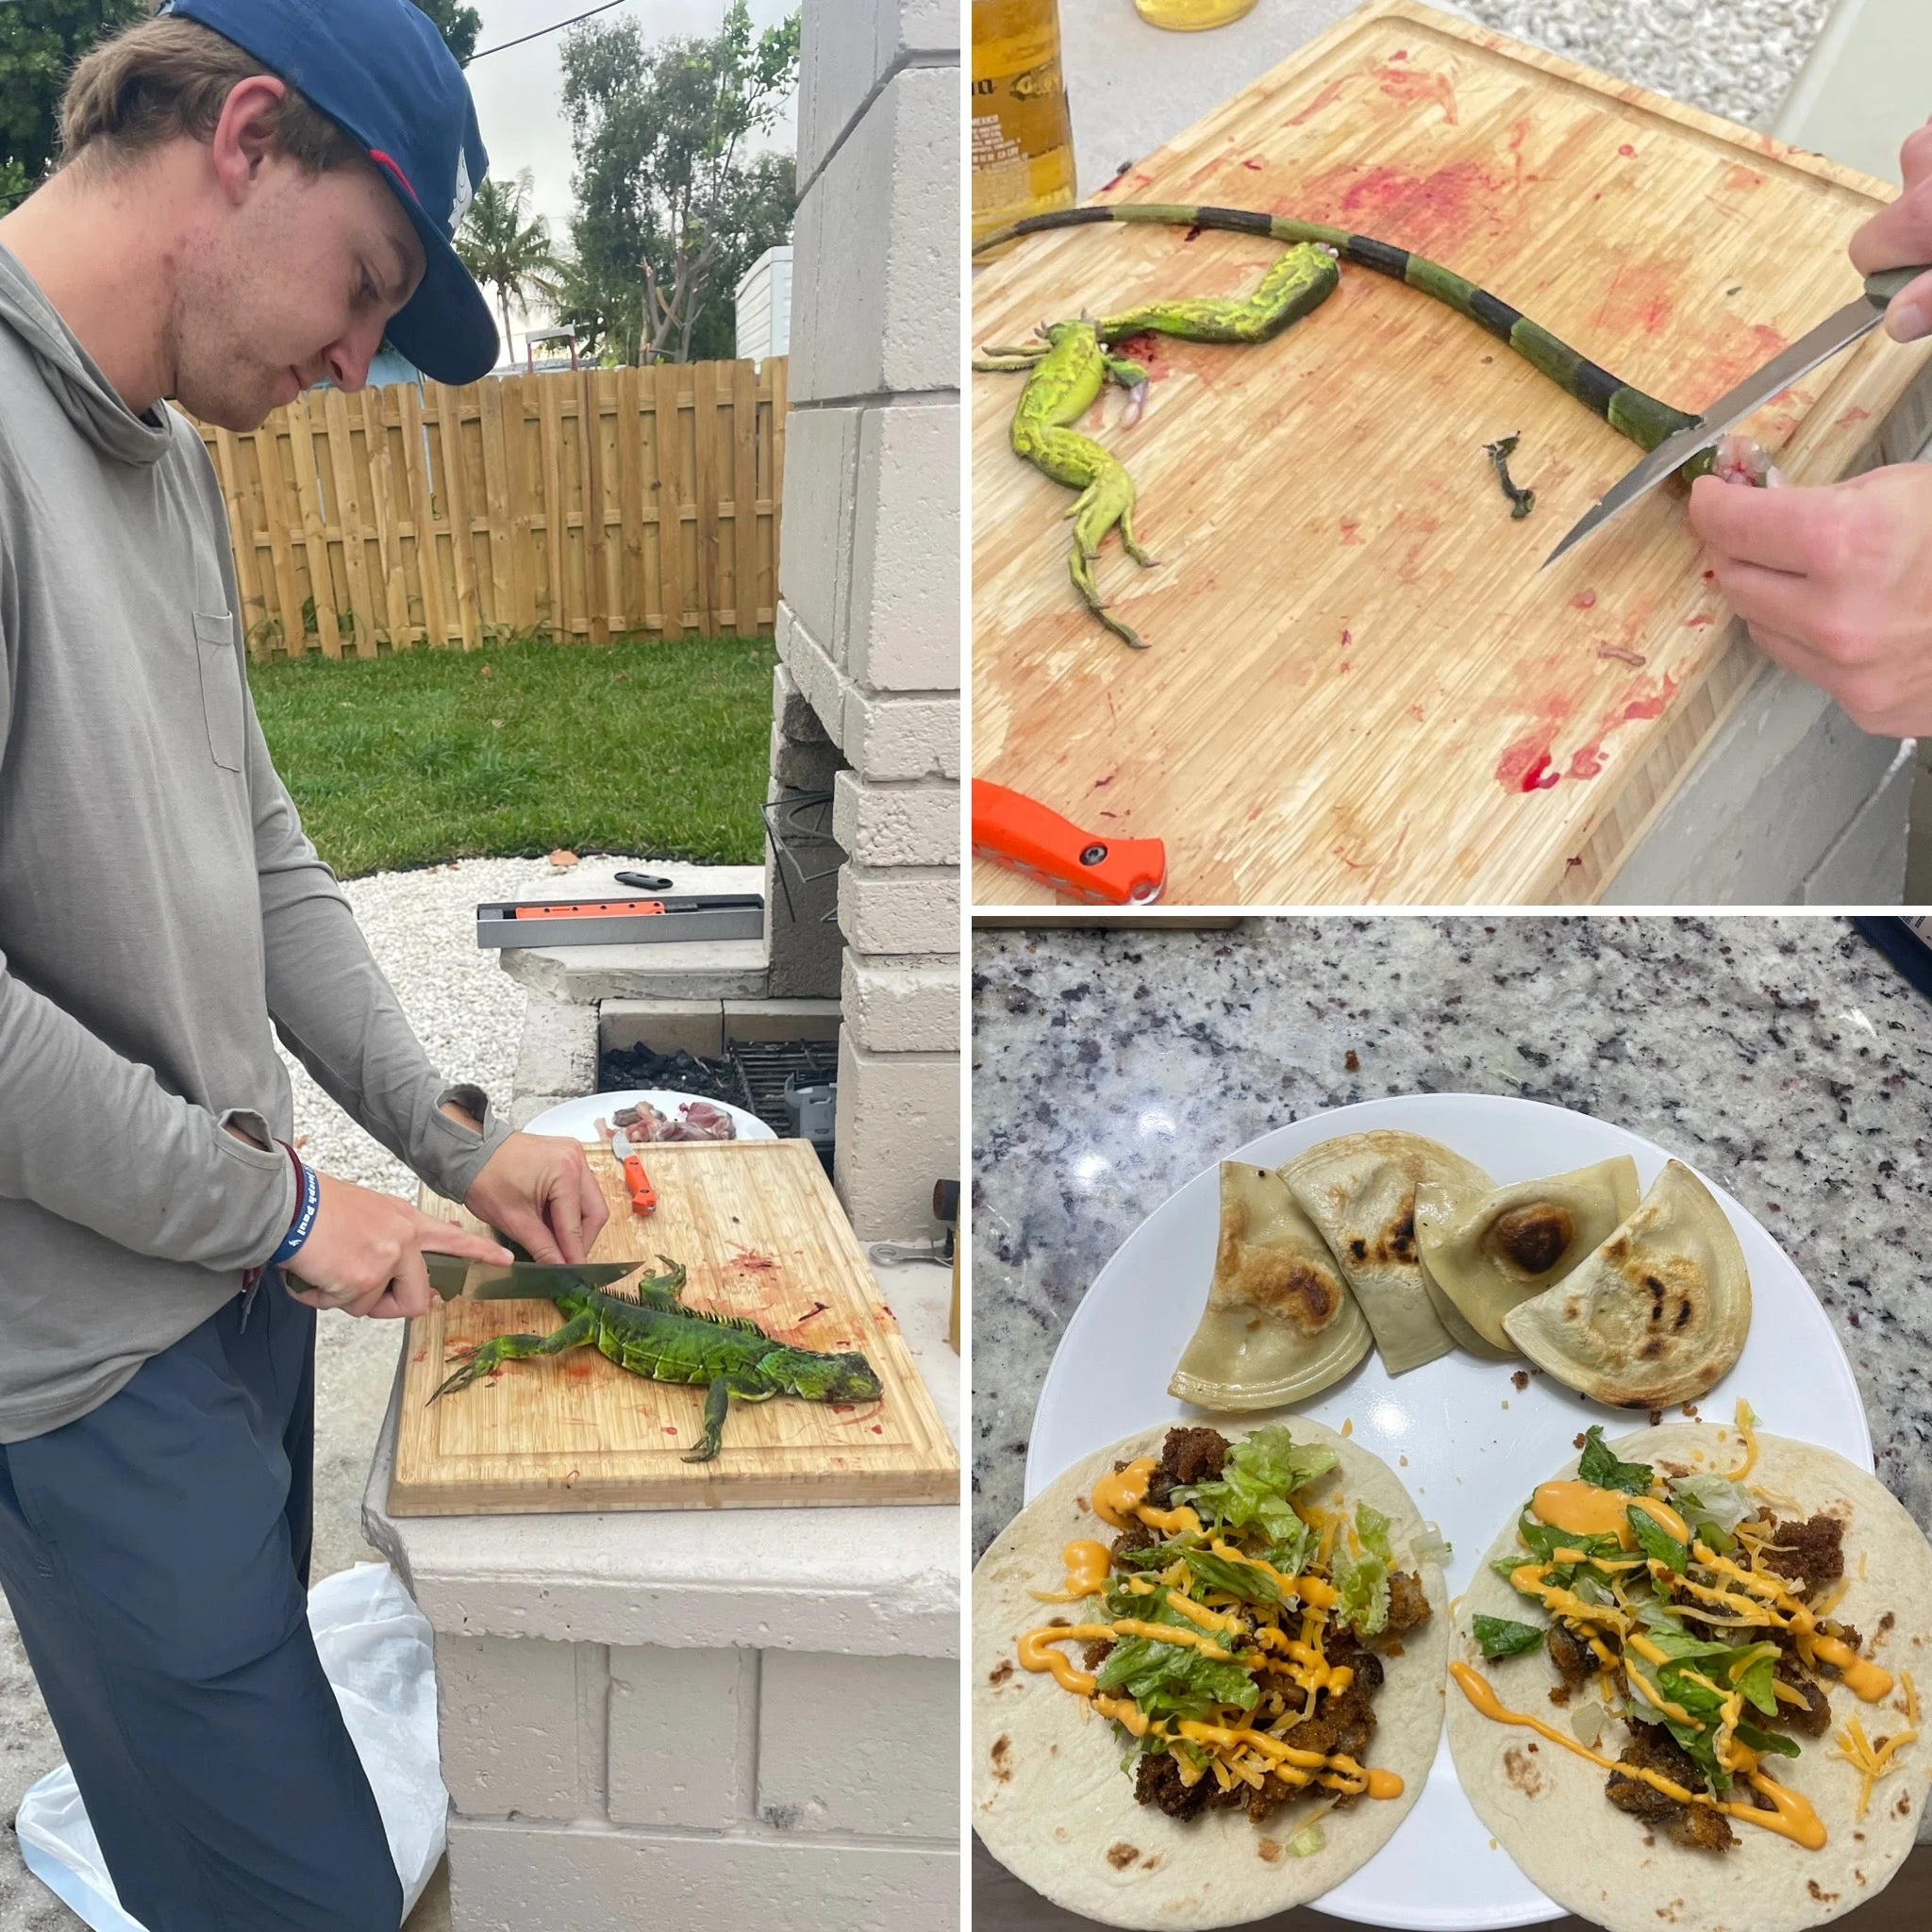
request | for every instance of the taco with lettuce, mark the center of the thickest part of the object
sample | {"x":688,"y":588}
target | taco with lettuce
{"x":1685,"y":1682}
{"x":1208,"y":1675}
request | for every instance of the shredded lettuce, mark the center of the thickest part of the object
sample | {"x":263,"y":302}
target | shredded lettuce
{"x":1372,"y":1532}
{"x":1749,"y":1667}
{"x":1167,"y":1680}
{"x":1363,"y":1584}
{"x":1657,"y":1543}
{"x":1773,"y":1741}
{"x":1306,"y":1842}
{"x":1237,"y":1579}
{"x":1431,"y":1546}
{"x":1290,"y":1555}
{"x":1261,"y":1472}
{"x":1500,"y":1637}
{"x":1711,"y":1499}
{"x":1599,"y":1466}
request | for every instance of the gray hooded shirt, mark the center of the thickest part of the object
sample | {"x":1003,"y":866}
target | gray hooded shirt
{"x":162,"y":916}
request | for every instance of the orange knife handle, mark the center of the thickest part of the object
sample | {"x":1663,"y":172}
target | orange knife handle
{"x":1016,"y":831}
{"x":644,"y":1198}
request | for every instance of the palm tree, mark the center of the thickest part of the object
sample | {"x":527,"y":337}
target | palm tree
{"x":507,"y":253}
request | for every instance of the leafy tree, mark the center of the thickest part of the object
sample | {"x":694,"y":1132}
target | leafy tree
{"x":40,"y":42}
{"x":508,"y":249}
{"x":457,"y":24}
{"x":671,"y":209}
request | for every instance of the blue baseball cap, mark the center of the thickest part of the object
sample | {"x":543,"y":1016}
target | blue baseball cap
{"x":380,"y":69}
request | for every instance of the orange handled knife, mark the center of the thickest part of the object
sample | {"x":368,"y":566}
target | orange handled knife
{"x":643,"y":1197}
{"x":1016,"y":831}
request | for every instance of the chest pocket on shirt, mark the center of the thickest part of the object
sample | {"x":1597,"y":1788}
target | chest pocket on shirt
{"x":221,"y":687}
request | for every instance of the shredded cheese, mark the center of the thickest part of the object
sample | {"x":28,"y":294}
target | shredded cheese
{"x":1857,"y":1750}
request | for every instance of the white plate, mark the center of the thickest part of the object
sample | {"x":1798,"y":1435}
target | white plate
{"x":1475,"y":1445}
{"x":578,"y":1118}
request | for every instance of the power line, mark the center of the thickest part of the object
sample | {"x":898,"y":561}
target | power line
{"x":504,"y":46}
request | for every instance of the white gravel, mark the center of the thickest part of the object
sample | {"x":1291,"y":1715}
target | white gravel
{"x":1735,"y":58}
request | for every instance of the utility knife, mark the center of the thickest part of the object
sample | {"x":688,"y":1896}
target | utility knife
{"x":1855,"y":318}
{"x":1014,"y":830}
{"x":452,"y":1276}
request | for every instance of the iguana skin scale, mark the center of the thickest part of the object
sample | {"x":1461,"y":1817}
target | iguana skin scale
{"x":1290,"y":290}
{"x":654,"y":1334}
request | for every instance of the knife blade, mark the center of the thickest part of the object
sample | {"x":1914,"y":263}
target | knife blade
{"x":450,"y":1275}
{"x":1840,"y":331}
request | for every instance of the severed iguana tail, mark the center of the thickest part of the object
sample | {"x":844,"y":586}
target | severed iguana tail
{"x":1642,"y":418}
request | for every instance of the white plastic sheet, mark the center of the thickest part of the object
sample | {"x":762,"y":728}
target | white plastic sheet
{"x":375,"y":1646}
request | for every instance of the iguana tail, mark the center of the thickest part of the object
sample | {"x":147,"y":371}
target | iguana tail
{"x":1642,"y":418}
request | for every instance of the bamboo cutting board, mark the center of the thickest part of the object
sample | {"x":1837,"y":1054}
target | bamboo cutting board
{"x":1359,"y":688}
{"x":757,"y":1226}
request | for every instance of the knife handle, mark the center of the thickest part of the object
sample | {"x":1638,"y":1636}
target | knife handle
{"x":1888,"y":282}
{"x":1013,"y":830}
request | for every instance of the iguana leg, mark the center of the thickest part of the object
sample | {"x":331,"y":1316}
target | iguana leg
{"x":1304,"y":278}
{"x":717,"y":1400}
{"x":516,"y":1348}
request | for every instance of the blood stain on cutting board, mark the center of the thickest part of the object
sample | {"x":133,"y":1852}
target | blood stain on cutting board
{"x":1418,"y":87}
{"x":1428,"y":213}
{"x":1640,"y":296}
{"x":1588,"y":760}
{"x":1732,"y":352}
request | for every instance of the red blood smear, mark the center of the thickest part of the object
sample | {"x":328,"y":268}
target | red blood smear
{"x":1351,"y":864}
{"x":1400,"y":53}
{"x":1525,"y":761}
{"x":1697,"y":623}
{"x":1414,"y":88}
{"x":1541,"y":776}
{"x":1628,"y":151}
{"x":1255,"y":165}
{"x":1325,"y":98}
{"x":817,"y":1308}
{"x":1569,"y":863}
{"x":1652,"y":708}
{"x":1351,"y":530}
{"x":1584,"y":600}
{"x":753,"y":1262}
{"x":1587,"y":762}
{"x":878,"y":1428}
{"x":1710,"y":577}
{"x":1347,"y":638}
{"x":1739,"y":349}
{"x":1427,"y":212}
{"x":669,"y":1431}
{"x":1852,"y":416}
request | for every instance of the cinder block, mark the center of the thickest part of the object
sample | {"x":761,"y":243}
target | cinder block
{"x":890,"y":738}
{"x":793,"y":717}
{"x":809,"y":659}
{"x":1867,"y":865}
{"x":558,"y":1052}
{"x":905,"y":1784}
{"x":903,"y":910}
{"x":897,"y":824}
{"x":901,"y":1006}
{"x":676,"y":1717}
{"x":781,"y":1019}
{"x":903,"y":621}
{"x":695,"y":1027}
{"x":898,"y":1128}
{"x":815,"y":555}
{"x":844,"y":52}
{"x":508,"y":1715}
{"x":876,"y":292}
{"x":809,"y":767}
{"x":503,"y":1878}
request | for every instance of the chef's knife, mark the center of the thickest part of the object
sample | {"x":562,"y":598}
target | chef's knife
{"x":450,"y":1275}
{"x":1840,"y":331}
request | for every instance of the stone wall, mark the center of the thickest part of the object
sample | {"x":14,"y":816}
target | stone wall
{"x":868,"y":623}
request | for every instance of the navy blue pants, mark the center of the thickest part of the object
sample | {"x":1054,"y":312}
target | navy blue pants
{"x":156,"y":1557}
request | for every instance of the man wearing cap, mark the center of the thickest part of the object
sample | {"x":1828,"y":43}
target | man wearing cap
{"x":253,"y":193}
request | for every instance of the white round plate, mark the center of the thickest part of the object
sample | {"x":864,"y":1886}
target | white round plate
{"x":578,"y":1118}
{"x":1469,"y":1444}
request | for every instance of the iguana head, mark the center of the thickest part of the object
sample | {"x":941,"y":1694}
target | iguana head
{"x":827,"y":1377}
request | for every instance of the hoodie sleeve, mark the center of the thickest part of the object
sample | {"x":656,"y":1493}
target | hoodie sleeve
{"x":71,"y":1107}
{"x":332,"y":1007}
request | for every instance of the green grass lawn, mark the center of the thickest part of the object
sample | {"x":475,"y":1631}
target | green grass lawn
{"x":659,"y":749}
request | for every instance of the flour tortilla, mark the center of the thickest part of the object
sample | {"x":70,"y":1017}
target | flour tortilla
{"x":1050,"y":1800}
{"x":1359,"y":1191}
{"x":1280,"y":1324}
{"x":1656,"y":1315}
{"x":1548,"y":1809}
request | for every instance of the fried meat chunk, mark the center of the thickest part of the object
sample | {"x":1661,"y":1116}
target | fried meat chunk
{"x":1698,"y":1827}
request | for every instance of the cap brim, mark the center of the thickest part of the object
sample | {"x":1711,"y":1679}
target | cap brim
{"x":445,"y":328}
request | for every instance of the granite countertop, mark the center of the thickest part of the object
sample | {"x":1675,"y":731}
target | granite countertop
{"x":1784,"y":1056}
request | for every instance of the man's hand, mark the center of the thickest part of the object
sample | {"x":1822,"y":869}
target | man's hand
{"x":540,"y":1191}
{"x":1836,"y":584}
{"x":364,"y":1254}
{"x":1900,"y":236}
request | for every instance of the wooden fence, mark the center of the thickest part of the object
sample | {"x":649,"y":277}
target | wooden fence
{"x":455,"y":517}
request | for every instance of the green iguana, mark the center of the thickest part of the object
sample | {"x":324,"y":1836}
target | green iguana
{"x":1071,"y":361}
{"x":654,"y":1334}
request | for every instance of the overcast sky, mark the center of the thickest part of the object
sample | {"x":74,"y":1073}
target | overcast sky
{"x":519,"y":93}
